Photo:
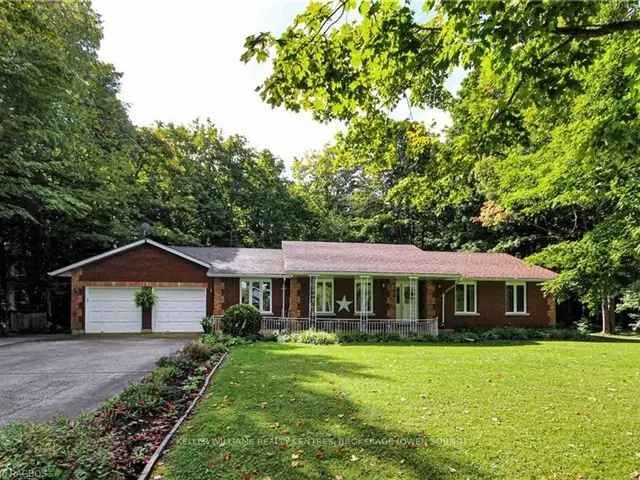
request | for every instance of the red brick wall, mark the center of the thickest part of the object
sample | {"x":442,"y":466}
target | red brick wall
{"x":492,"y":308}
{"x":145,"y":263}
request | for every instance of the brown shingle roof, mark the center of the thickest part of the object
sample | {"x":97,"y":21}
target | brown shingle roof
{"x":486,"y":265}
{"x":356,"y":258}
{"x":376,"y":258}
{"x":242,"y":261}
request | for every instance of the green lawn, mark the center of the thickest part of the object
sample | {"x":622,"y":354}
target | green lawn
{"x":560,"y":410}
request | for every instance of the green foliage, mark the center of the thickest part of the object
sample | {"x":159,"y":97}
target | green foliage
{"x":66,"y":449}
{"x":630,"y":303}
{"x":198,"y":351}
{"x":207,"y":325}
{"x":583,"y":326}
{"x":459,"y":336}
{"x":542,"y":155}
{"x":145,"y":298}
{"x":310,"y":336}
{"x":195,"y":381}
{"x":225,"y":340}
{"x":241,"y":321}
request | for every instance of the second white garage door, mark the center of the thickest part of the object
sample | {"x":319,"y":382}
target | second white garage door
{"x":179,"y":309}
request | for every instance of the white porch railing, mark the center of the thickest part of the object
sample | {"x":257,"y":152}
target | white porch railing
{"x":404,"y":328}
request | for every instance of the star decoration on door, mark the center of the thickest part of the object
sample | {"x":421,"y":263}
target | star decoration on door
{"x":344,"y":304}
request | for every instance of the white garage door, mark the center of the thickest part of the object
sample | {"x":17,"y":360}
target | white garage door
{"x":111,"y":310}
{"x":179,"y":309}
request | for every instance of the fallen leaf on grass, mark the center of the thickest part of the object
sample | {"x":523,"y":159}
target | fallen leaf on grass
{"x":226,"y":456}
{"x":320,"y":454}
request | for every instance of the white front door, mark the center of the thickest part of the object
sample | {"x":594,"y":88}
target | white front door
{"x":111,"y":310}
{"x":179,"y":309}
{"x":406,"y":296}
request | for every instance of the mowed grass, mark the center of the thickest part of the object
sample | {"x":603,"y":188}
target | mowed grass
{"x":557,"y":410}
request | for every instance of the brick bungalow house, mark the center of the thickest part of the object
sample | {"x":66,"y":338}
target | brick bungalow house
{"x":324,"y":285}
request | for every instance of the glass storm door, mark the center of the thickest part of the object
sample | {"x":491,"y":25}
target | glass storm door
{"x":405,"y":299}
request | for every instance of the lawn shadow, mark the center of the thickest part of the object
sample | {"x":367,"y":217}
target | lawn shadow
{"x":271,"y":415}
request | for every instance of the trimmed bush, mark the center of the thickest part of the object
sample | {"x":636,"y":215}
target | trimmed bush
{"x":241,"y":321}
{"x":198,"y":352}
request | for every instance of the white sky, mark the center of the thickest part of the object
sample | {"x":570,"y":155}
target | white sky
{"x":180,"y":61}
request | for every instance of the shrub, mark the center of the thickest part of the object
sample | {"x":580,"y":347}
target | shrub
{"x":242,"y":321}
{"x":182,"y":362}
{"x":223,"y":339}
{"x":312,"y":337}
{"x":584,"y":326}
{"x":145,"y":298}
{"x":207,"y":325}
{"x":197,"y":351}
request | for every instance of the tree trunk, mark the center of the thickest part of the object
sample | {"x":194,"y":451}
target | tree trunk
{"x":608,"y":315}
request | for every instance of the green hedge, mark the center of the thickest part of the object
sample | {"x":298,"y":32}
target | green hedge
{"x":461,"y":336}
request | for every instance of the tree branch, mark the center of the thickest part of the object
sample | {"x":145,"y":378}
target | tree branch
{"x":522,"y":78}
{"x":590,"y":31}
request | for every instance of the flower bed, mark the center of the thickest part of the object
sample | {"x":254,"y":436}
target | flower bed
{"x":117,"y":440}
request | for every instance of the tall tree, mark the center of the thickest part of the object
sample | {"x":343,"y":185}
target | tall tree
{"x":543,"y":126}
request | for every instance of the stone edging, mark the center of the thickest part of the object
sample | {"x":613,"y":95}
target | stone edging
{"x":165,"y":442}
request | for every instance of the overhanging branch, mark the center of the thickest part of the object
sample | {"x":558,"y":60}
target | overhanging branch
{"x":589,"y":31}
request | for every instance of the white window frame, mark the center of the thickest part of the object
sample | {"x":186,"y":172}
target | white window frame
{"x":325,"y":280}
{"x":515,"y":284}
{"x":357,"y":298}
{"x":465,"y":283}
{"x":259,"y":280}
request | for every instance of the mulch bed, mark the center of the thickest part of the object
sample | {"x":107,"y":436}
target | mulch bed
{"x":137,"y":430}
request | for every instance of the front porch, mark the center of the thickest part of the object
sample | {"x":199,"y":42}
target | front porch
{"x":402,"y":327}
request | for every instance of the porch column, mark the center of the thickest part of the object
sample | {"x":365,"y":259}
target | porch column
{"x":313,"y":286}
{"x":364,"y":310}
{"x":413,"y":295}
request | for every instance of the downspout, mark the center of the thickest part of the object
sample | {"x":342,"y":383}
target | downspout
{"x":444,"y":294}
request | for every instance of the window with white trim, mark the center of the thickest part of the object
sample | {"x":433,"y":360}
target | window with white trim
{"x":516,"y":297}
{"x":466,"y":297}
{"x":367,"y":284}
{"x":256,"y":292}
{"x":324,"y":295}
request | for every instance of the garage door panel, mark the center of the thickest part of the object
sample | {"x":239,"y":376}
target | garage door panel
{"x":179,"y":309}
{"x":112,"y":310}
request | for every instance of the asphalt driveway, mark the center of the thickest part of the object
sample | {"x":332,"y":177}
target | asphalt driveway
{"x":41,"y":379}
